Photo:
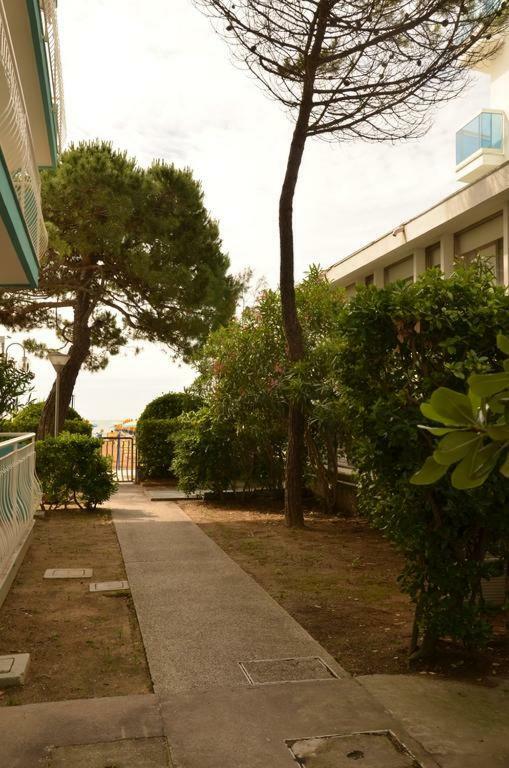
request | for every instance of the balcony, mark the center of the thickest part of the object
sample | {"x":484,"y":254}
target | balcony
{"x":19,"y":499}
{"x":480,"y":146}
{"x":23,"y":238}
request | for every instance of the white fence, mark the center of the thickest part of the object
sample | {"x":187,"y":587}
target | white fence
{"x":20,"y":494}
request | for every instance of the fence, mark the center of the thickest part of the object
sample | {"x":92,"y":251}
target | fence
{"x":122,"y":452}
{"x":20,"y":493}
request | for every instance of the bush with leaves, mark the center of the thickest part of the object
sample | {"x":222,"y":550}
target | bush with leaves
{"x":399,"y":344}
{"x":15,"y":382}
{"x":205,"y":453}
{"x":475,"y":431}
{"x":72,"y":471}
{"x":246,"y":383}
{"x":27,"y":419}
{"x":155,"y":430}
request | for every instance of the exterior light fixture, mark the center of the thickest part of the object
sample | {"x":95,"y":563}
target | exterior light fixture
{"x":58,"y":360}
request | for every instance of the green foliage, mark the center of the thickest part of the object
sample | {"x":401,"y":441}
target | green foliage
{"x":14,"y":383}
{"x":398,"y":346}
{"x":27,"y":419}
{"x":476,"y":439}
{"x":246,"y":383}
{"x":155,"y":430}
{"x":170,"y":405}
{"x":72,"y":470}
{"x":205,"y":453}
{"x":133,"y":254}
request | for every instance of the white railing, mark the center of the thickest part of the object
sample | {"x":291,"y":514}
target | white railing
{"x":17,"y":143}
{"x":20,"y":493}
{"x":49,"y":16}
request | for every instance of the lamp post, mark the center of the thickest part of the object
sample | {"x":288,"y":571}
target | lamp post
{"x":5,"y":349}
{"x":58,"y":360}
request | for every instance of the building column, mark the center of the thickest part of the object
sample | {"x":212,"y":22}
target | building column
{"x":419,"y":262}
{"x":505,"y":243}
{"x":379,"y":277}
{"x":447,"y":254}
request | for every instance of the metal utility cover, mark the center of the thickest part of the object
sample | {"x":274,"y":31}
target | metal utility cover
{"x":292,"y":670}
{"x":370,"y":749}
{"x":128,"y":753}
{"x":68,"y":573}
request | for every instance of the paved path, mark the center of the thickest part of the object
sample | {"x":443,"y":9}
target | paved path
{"x":200,"y":615}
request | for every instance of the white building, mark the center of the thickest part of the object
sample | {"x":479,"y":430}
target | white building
{"x":31,"y":131}
{"x":473,"y":221}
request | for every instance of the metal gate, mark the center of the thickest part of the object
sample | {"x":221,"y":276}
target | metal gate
{"x":122,"y":452}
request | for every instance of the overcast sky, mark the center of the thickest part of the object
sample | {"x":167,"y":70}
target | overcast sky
{"x":153,"y":78}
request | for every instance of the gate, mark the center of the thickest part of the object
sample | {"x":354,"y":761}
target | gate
{"x":122,"y":452}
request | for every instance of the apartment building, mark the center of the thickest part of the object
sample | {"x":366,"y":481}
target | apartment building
{"x":32,"y":126}
{"x":474,"y":221}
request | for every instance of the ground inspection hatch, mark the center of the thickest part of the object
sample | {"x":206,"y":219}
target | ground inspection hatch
{"x":369,"y":749}
{"x":293,"y":670}
{"x":128,"y":753}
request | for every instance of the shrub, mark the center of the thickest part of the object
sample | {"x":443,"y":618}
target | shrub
{"x":397,"y":346}
{"x":15,"y":382}
{"x":27,"y":420}
{"x":71,"y":469}
{"x":155,"y":430}
{"x":205,"y":454}
{"x":247,"y":383}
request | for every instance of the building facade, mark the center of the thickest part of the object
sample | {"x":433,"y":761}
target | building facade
{"x":469,"y":223}
{"x":32,"y":126}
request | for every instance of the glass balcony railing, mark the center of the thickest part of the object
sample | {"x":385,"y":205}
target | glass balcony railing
{"x":486,"y":131}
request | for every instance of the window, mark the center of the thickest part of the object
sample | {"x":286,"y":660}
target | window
{"x":400,"y":270}
{"x":369,"y":279}
{"x":483,"y":240}
{"x":433,"y":256}
{"x":492,"y":254}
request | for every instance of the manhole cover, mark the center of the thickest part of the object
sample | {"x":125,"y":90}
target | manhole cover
{"x":373,"y":749}
{"x":292,"y":670}
{"x":128,"y":753}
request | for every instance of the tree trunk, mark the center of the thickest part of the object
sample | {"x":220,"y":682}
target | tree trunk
{"x":294,"y":515}
{"x":78,"y":353}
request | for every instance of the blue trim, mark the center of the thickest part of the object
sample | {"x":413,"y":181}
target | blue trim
{"x":34,"y":15}
{"x":14,"y":222}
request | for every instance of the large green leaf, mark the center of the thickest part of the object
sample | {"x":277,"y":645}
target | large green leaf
{"x":504,"y":469}
{"x":438,"y":431}
{"x":475,"y":467}
{"x":453,"y":447}
{"x":488,"y":384}
{"x":429,"y":473}
{"x":452,"y":407}
{"x":503,"y":343}
{"x":498,"y":432}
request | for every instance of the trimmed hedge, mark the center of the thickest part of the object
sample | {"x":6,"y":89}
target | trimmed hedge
{"x":27,"y":420}
{"x":155,"y":430}
{"x":72,"y":470}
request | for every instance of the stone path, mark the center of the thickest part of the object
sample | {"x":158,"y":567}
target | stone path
{"x":239,"y":684}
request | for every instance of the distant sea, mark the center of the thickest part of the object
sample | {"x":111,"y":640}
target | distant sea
{"x":103,"y":426}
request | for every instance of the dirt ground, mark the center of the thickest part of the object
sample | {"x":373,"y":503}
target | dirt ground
{"x":81,"y":644}
{"x":338,"y":579}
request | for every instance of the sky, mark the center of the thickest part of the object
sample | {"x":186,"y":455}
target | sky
{"x":155,"y":79}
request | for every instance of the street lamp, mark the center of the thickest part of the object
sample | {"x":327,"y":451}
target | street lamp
{"x":58,"y":360}
{"x":5,"y":349}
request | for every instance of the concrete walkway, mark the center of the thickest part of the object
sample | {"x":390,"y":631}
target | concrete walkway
{"x":201,"y":616}
{"x":201,"y":619}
